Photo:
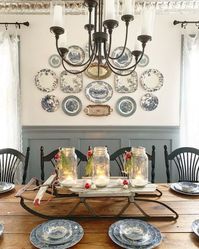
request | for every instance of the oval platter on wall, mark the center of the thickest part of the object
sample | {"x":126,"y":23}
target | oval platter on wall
{"x":98,"y":91}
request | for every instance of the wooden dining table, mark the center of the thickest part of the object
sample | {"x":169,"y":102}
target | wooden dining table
{"x":177,"y":234}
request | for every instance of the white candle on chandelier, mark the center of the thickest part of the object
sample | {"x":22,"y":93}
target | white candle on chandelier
{"x":109,"y":9}
{"x":148,"y":17}
{"x":58,"y":16}
{"x":128,"y":7}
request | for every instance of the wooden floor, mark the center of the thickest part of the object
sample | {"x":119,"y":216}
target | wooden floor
{"x":176,"y":234}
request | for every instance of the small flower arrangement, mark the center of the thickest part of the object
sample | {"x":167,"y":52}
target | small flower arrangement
{"x":90,"y":185}
{"x":127,"y":162}
{"x":89,"y":166}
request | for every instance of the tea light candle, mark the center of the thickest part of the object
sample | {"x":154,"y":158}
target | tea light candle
{"x":68,"y":181}
{"x":101,"y":181}
{"x":138,"y":181}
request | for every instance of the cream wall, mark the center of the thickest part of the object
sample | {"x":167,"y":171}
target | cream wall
{"x":37,"y":44}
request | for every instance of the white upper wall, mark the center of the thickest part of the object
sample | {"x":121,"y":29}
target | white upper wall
{"x":37,"y":44}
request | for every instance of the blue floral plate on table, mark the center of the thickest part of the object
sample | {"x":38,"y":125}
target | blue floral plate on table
{"x":147,"y":235}
{"x":1,"y":229}
{"x":195,"y":227}
{"x":187,"y":188}
{"x":55,"y":232}
{"x":72,"y":230}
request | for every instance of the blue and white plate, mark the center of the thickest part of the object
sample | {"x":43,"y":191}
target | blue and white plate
{"x":149,"y":102}
{"x":71,"y":105}
{"x":151,"y":80}
{"x":150,"y":239}
{"x":71,"y":83}
{"x":1,"y":229}
{"x":50,"y":103}
{"x":98,"y":91}
{"x":187,"y":188}
{"x":195,"y":227}
{"x":46,"y":80}
{"x":144,"y":61}
{"x":121,"y":61}
{"x":75,"y":55}
{"x":6,"y":186}
{"x":77,"y":234}
{"x":55,"y":232}
{"x":126,"y":84}
{"x":54,"y":60}
{"x":126,"y":106}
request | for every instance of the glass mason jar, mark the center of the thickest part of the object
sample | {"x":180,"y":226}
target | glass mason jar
{"x":67,"y":167}
{"x":101,"y":167}
{"x":138,"y":174}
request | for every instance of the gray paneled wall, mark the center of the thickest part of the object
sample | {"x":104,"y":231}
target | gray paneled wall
{"x":112,"y":137}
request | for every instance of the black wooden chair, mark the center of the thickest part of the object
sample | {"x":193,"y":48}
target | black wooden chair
{"x":118,"y":158}
{"x":10,"y":160}
{"x":50,"y":158}
{"x":186,"y":160}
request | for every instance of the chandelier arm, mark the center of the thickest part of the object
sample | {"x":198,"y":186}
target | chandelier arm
{"x":77,"y":72}
{"x":120,"y":70}
{"x":68,"y":62}
{"x":124,"y":47}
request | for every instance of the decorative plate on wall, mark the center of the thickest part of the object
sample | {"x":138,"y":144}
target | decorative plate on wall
{"x":98,"y":91}
{"x":151,"y":80}
{"x":71,"y":105}
{"x":144,"y":61}
{"x":46,"y":80}
{"x":50,"y":103}
{"x":54,"y":60}
{"x":126,"y":84}
{"x":126,"y":106}
{"x":124,"y":60}
{"x":149,"y":102}
{"x":71,"y":83}
{"x":75,"y":55}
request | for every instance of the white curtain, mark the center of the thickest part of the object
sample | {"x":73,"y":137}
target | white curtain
{"x":190,"y":92}
{"x":10,"y":127}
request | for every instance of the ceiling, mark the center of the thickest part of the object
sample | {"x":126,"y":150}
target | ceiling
{"x":76,"y":6}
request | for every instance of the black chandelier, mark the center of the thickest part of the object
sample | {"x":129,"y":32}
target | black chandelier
{"x":100,"y":26}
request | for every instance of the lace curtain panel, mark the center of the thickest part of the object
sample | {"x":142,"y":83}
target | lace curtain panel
{"x":190,"y":92}
{"x":10,"y":127}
